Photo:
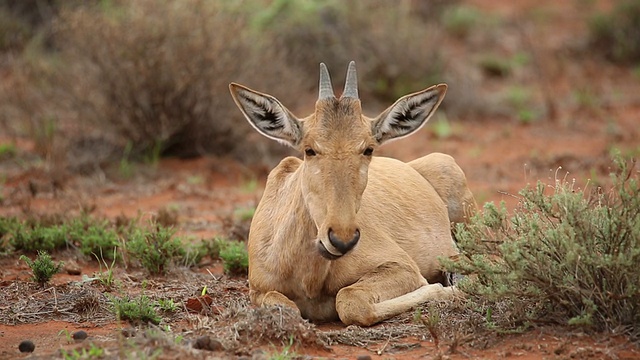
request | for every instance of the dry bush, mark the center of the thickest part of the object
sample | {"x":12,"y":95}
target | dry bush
{"x":564,"y":255}
{"x":157,"y":73}
{"x":616,"y":34}
{"x":150,"y":72}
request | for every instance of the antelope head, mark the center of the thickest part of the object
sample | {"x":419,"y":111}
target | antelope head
{"x":338,"y":143}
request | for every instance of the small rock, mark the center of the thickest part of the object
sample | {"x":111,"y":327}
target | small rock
{"x":79,"y":335}
{"x":72,"y":268}
{"x":26,"y":346}
{"x":207,"y":343}
{"x":364,"y":357}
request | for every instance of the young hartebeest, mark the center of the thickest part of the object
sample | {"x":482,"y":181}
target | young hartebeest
{"x":343,"y":233}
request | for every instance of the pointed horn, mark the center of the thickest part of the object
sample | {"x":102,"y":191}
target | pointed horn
{"x":351,"y":84}
{"x":326,"y":89}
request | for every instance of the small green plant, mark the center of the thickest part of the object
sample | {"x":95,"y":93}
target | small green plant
{"x":431,"y":321}
{"x":285,"y":354}
{"x":7,"y":226}
{"x":213,"y":246}
{"x":94,"y":237}
{"x":244,"y":213}
{"x":460,"y":20}
{"x":43,"y":267}
{"x":235,"y":258}
{"x":93,"y":352}
{"x":520,"y":99}
{"x":106,"y":277}
{"x":155,"y":248}
{"x":7,"y":151}
{"x":442,"y":128}
{"x":126,"y":168}
{"x":138,"y":310}
{"x":167,"y":305}
{"x":193,"y":254}
{"x":565,"y":254}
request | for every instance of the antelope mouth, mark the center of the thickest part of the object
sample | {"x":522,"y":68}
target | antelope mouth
{"x":326,"y":253}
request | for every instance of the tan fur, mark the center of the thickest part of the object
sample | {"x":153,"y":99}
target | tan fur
{"x":402,"y":212}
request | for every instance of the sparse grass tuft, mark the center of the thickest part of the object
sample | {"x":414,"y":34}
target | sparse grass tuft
{"x":460,"y":20}
{"x":235,"y":258}
{"x":565,"y":255}
{"x":155,"y":248}
{"x":213,"y":246}
{"x":93,"y":352}
{"x":138,"y":310}
{"x":32,"y":238}
{"x":94,"y":237}
{"x":43,"y":267}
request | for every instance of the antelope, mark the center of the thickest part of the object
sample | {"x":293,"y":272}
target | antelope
{"x":341,"y":233}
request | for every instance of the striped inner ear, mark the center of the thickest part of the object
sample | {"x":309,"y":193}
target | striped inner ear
{"x":265,"y":113}
{"x":407,"y":115}
{"x":411,"y":112}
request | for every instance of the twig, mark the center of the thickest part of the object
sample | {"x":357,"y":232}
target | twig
{"x":381,"y":350}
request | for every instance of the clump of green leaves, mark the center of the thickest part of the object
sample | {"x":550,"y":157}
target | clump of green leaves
{"x":138,"y":310}
{"x":32,"y":238}
{"x":43,"y":267}
{"x":94,"y":237}
{"x":235,"y":258}
{"x":93,"y":352}
{"x":6,"y":228}
{"x":563,"y":255}
{"x":155,"y":248}
{"x":213,"y":246}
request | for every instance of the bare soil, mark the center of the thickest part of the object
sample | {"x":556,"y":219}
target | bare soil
{"x":571,"y":138}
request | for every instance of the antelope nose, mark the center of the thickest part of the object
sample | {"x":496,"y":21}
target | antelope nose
{"x":340,"y":244}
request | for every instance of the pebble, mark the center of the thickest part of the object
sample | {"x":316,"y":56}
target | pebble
{"x":72,"y":268}
{"x":26,"y":346}
{"x":79,"y":335}
{"x":364,"y":357}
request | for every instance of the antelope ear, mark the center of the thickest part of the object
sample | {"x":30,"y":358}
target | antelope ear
{"x":408,"y":114}
{"x":267,"y":115}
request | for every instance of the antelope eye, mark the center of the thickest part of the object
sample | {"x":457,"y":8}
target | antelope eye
{"x":309,"y":152}
{"x":368,"y":151}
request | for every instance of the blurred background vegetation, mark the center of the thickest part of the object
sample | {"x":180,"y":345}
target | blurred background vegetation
{"x":96,"y":81}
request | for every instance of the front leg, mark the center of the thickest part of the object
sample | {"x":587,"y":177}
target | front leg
{"x":271,"y":298}
{"x":389,"y":290}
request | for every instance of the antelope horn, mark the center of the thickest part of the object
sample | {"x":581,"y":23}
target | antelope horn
{"x":326,"y":89}
{"x":351,"y":84}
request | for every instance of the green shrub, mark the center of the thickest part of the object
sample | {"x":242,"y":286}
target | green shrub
{"x":213,"y":246}
{"x":43,"y":267}
{"x":564,"y":255}
{"x":155,"y":248}
{"x":38,"y":237}
{"x":616,"y":34}
{"x":139,"y":310}
{"x":94,"y":237}
{"x":235,"y":258}
{"x":7,"y":226}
